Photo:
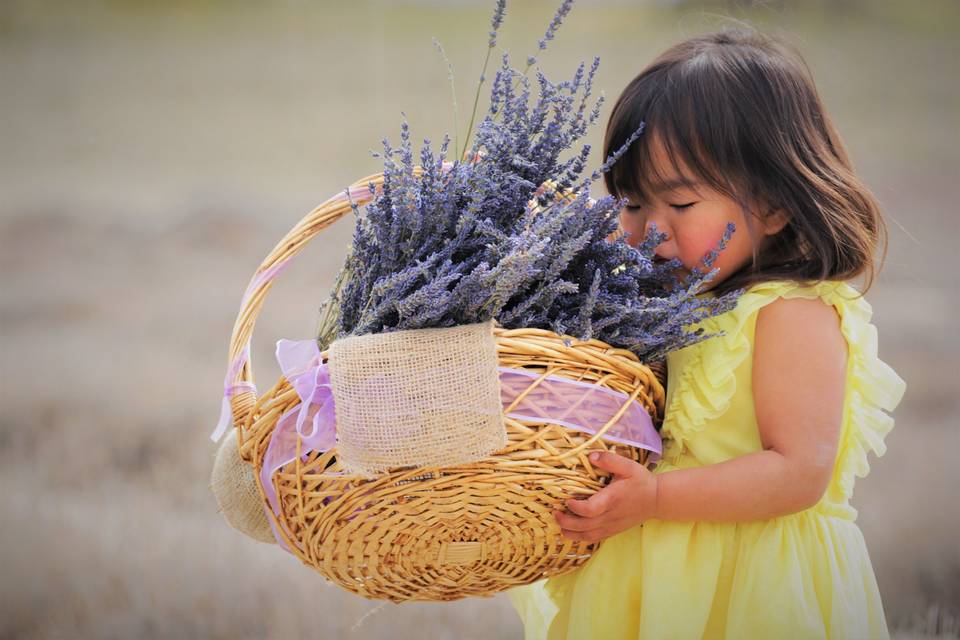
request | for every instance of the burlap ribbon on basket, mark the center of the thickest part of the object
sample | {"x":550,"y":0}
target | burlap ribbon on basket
{"x":424,"y":398}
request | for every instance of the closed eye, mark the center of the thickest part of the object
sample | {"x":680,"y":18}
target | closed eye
{"x":681,"y":207}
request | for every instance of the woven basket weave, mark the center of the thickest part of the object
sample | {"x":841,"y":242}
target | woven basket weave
{"x":437,"y":534}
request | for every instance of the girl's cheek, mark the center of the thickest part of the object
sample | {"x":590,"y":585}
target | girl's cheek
{"x":694,"y":250}
{"x":703,"y":241}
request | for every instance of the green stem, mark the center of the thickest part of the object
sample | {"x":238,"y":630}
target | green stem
{"x":476,"y":100}
{"x":453,"y":95}
{"x":328,"y":326}
{"x":456,"y":116}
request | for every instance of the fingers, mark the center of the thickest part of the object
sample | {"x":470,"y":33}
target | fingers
{"x":590,"y":519}
{"x":588,"y":514}
{"x":574,"y":523}
{"x":590,"y":529}
{"x":594,"y":535}
{"x":594,"y":506}
{"x":577,"y":528}
{"x":614,"y":463}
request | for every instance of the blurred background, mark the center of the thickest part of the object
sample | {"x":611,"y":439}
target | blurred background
{"x":151,"y":155}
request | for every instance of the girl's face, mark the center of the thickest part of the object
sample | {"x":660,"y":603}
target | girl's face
{"x":694,"y":219}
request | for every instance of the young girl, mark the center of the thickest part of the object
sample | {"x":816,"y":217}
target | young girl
{"x":744,"y":529}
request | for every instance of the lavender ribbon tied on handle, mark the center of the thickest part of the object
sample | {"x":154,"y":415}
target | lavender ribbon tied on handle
{"x":229,"y":388}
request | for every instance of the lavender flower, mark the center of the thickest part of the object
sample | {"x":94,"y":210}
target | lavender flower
{"x":513,"y":234}
{"x":496,"y":21}
{"x":556,"y":22}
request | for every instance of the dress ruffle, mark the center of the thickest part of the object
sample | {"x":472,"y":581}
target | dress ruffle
{"x":707,"y":382}
{"x":873,"y":387}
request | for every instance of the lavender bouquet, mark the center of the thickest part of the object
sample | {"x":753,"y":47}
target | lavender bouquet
{"x":506,"y":230}
{"x":510,"y":232}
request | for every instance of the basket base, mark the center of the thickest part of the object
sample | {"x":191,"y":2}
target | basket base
{"x":442,"y":534}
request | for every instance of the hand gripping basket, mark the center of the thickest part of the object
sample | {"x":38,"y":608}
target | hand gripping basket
{"x":433,"y":533}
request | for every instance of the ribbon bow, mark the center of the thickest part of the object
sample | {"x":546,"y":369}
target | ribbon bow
{"x":301,"y":364}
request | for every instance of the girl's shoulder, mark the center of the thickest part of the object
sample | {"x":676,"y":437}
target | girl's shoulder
{"x":717,"y":361}
{"x":740,"y":319}
{"x":702,"y":378}
{"x":874,"y":387}
{"x":852,"y":308}
{"x":837,"y":293}
{"x":841,"y":295}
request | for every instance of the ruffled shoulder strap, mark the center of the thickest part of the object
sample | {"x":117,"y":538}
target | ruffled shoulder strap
{"x":707,"y":380}
{"x":873,"y":387}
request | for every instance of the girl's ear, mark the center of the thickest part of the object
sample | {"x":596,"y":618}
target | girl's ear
{"x":774,"y":222}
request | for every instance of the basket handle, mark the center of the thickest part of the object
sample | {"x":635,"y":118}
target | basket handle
{"x":239,"y":390}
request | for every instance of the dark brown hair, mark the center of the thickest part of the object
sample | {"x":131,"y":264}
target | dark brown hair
{"x":740,"y":110}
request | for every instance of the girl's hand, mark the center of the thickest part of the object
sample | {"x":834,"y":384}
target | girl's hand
{"x":629,"y":499}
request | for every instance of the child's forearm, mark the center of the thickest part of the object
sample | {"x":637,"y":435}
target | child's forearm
{"x":756,"y":486}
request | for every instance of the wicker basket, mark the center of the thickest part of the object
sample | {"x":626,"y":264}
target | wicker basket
{"x":435,"y":534}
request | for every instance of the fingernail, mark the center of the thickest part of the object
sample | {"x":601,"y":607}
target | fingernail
{"x":594,"y":456}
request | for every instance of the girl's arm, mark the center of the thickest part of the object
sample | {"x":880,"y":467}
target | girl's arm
{"x":799,"y":374}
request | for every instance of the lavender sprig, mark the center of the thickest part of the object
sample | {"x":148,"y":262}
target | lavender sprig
{"x":558,"y":17}
{"x":453,"y":92}
{"x":496,"y":21}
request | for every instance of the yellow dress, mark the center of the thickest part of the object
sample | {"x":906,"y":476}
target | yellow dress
{"x":804,"y":575}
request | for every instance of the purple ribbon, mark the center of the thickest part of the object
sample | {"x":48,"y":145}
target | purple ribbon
{"x":230,"y":388}
{"x":581,"y":406}
{"x":313,"y":421}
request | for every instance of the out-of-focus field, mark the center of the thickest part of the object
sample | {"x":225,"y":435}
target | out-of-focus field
{"x":152,"y":154}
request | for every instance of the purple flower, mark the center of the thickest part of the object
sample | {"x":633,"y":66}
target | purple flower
{"x":496,"y":21}
{"x":556,"y":22}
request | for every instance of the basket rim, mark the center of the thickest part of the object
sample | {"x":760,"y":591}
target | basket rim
{"x":240,"y":391}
